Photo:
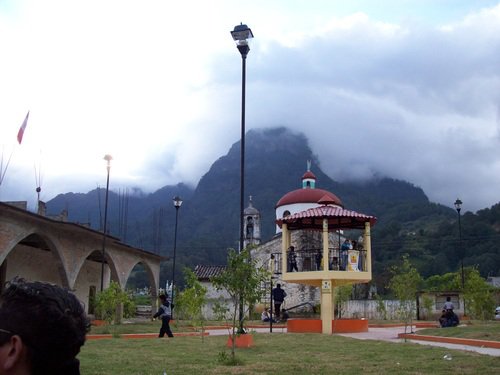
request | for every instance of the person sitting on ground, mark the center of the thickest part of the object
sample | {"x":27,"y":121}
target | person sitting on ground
{"x":442,"y":319}
{"x":284,"y":315}
{"x":448,"y":305}
{"x":448,"y":319}
{"x":42,"y":328}
{"x":265,"y":316}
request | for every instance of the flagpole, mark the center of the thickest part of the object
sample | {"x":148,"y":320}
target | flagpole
{"x":20,"y":134}
{"x":2,"y":170}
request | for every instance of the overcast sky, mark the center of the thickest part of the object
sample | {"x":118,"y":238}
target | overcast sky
{"x":404,"y":88}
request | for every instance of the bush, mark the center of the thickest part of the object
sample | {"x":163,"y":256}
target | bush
{"x":107,"y":302}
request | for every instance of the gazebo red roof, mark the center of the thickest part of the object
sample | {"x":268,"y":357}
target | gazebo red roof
{"x":338,"y":218}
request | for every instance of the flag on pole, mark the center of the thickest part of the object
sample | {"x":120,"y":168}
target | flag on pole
{"x":20,"y":133}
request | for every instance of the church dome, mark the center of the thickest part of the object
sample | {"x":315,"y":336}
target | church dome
{"x":308,"y":196}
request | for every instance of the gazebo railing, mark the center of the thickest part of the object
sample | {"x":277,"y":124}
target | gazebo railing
{"x":310,"y":260}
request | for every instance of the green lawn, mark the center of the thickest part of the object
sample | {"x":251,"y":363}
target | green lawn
{"x":291,"y":354}
{"x":474,"y":330}
{"x":150,"y":327}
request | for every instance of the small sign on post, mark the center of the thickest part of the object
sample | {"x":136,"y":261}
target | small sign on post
{"x":326,"y":286}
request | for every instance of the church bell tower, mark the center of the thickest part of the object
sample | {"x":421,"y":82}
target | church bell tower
{"x":251,"y":223}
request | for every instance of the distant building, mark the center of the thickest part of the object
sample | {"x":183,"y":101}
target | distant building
{"x":214,"y":297}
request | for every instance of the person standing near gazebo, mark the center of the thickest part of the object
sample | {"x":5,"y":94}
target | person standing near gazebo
{"x":278,"y":297}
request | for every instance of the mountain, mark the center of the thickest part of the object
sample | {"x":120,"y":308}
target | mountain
{"x":275,"y":162}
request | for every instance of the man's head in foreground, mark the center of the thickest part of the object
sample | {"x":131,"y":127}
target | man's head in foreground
{"x":42,"y":328}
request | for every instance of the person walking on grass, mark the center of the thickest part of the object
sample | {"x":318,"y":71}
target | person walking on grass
{"x":165,"y":313}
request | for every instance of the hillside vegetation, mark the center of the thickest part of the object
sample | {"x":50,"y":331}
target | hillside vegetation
{"x":275,"y":162}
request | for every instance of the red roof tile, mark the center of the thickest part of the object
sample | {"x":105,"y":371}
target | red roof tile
{"x":205,"y":273}
{"x":338,"y":218}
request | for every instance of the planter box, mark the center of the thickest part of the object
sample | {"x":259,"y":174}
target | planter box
{"x":242,"y":341}
{"x":338,"y":325}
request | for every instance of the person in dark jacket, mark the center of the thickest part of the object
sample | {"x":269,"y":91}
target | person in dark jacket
{"x":279,"y":297}
{"x":292,"y":259}
{"x":42,"y":328}
{"x":165,"y":313}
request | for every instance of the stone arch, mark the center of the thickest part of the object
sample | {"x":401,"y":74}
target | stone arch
{"x":150,"y":274}
{"x":29,"y":248}
{"x":110,"y":266}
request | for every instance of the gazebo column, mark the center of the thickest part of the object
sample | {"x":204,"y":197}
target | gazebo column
{"x":326,"y":257}
{"x":285,"y":243}
{"x":326,"y":287}
{"x":326,"y":306}
{"x":367,"y":243}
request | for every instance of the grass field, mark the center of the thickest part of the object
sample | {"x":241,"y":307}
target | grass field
{"x":275,"y":354}
{"x":475,"y":330}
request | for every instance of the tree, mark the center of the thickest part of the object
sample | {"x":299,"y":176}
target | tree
{"x":192,"y":299}
{"x":404,"y":284}
{"x":109,"y":300}
{"x":478,"y":296}
{"x":448,"y":281}
{"x":242,"y":280}
{"x":342,"y":295}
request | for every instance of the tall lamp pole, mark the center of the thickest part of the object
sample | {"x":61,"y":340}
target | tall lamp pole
{"x":177,"y":204}
{"x":271,"y":267}
{"x":458,"y":207}
{"x":108,"y":159}
{"x":241,"y":34}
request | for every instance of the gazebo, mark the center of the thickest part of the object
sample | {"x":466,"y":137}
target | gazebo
{"x":338,"y":266}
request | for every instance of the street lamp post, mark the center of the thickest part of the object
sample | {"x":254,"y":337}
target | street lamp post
{"x":271,"y":267}
{"x":177,"y":204}
{"x":458,"y":207}
{"x":241,"y":33}
{"x":108,"y":159}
